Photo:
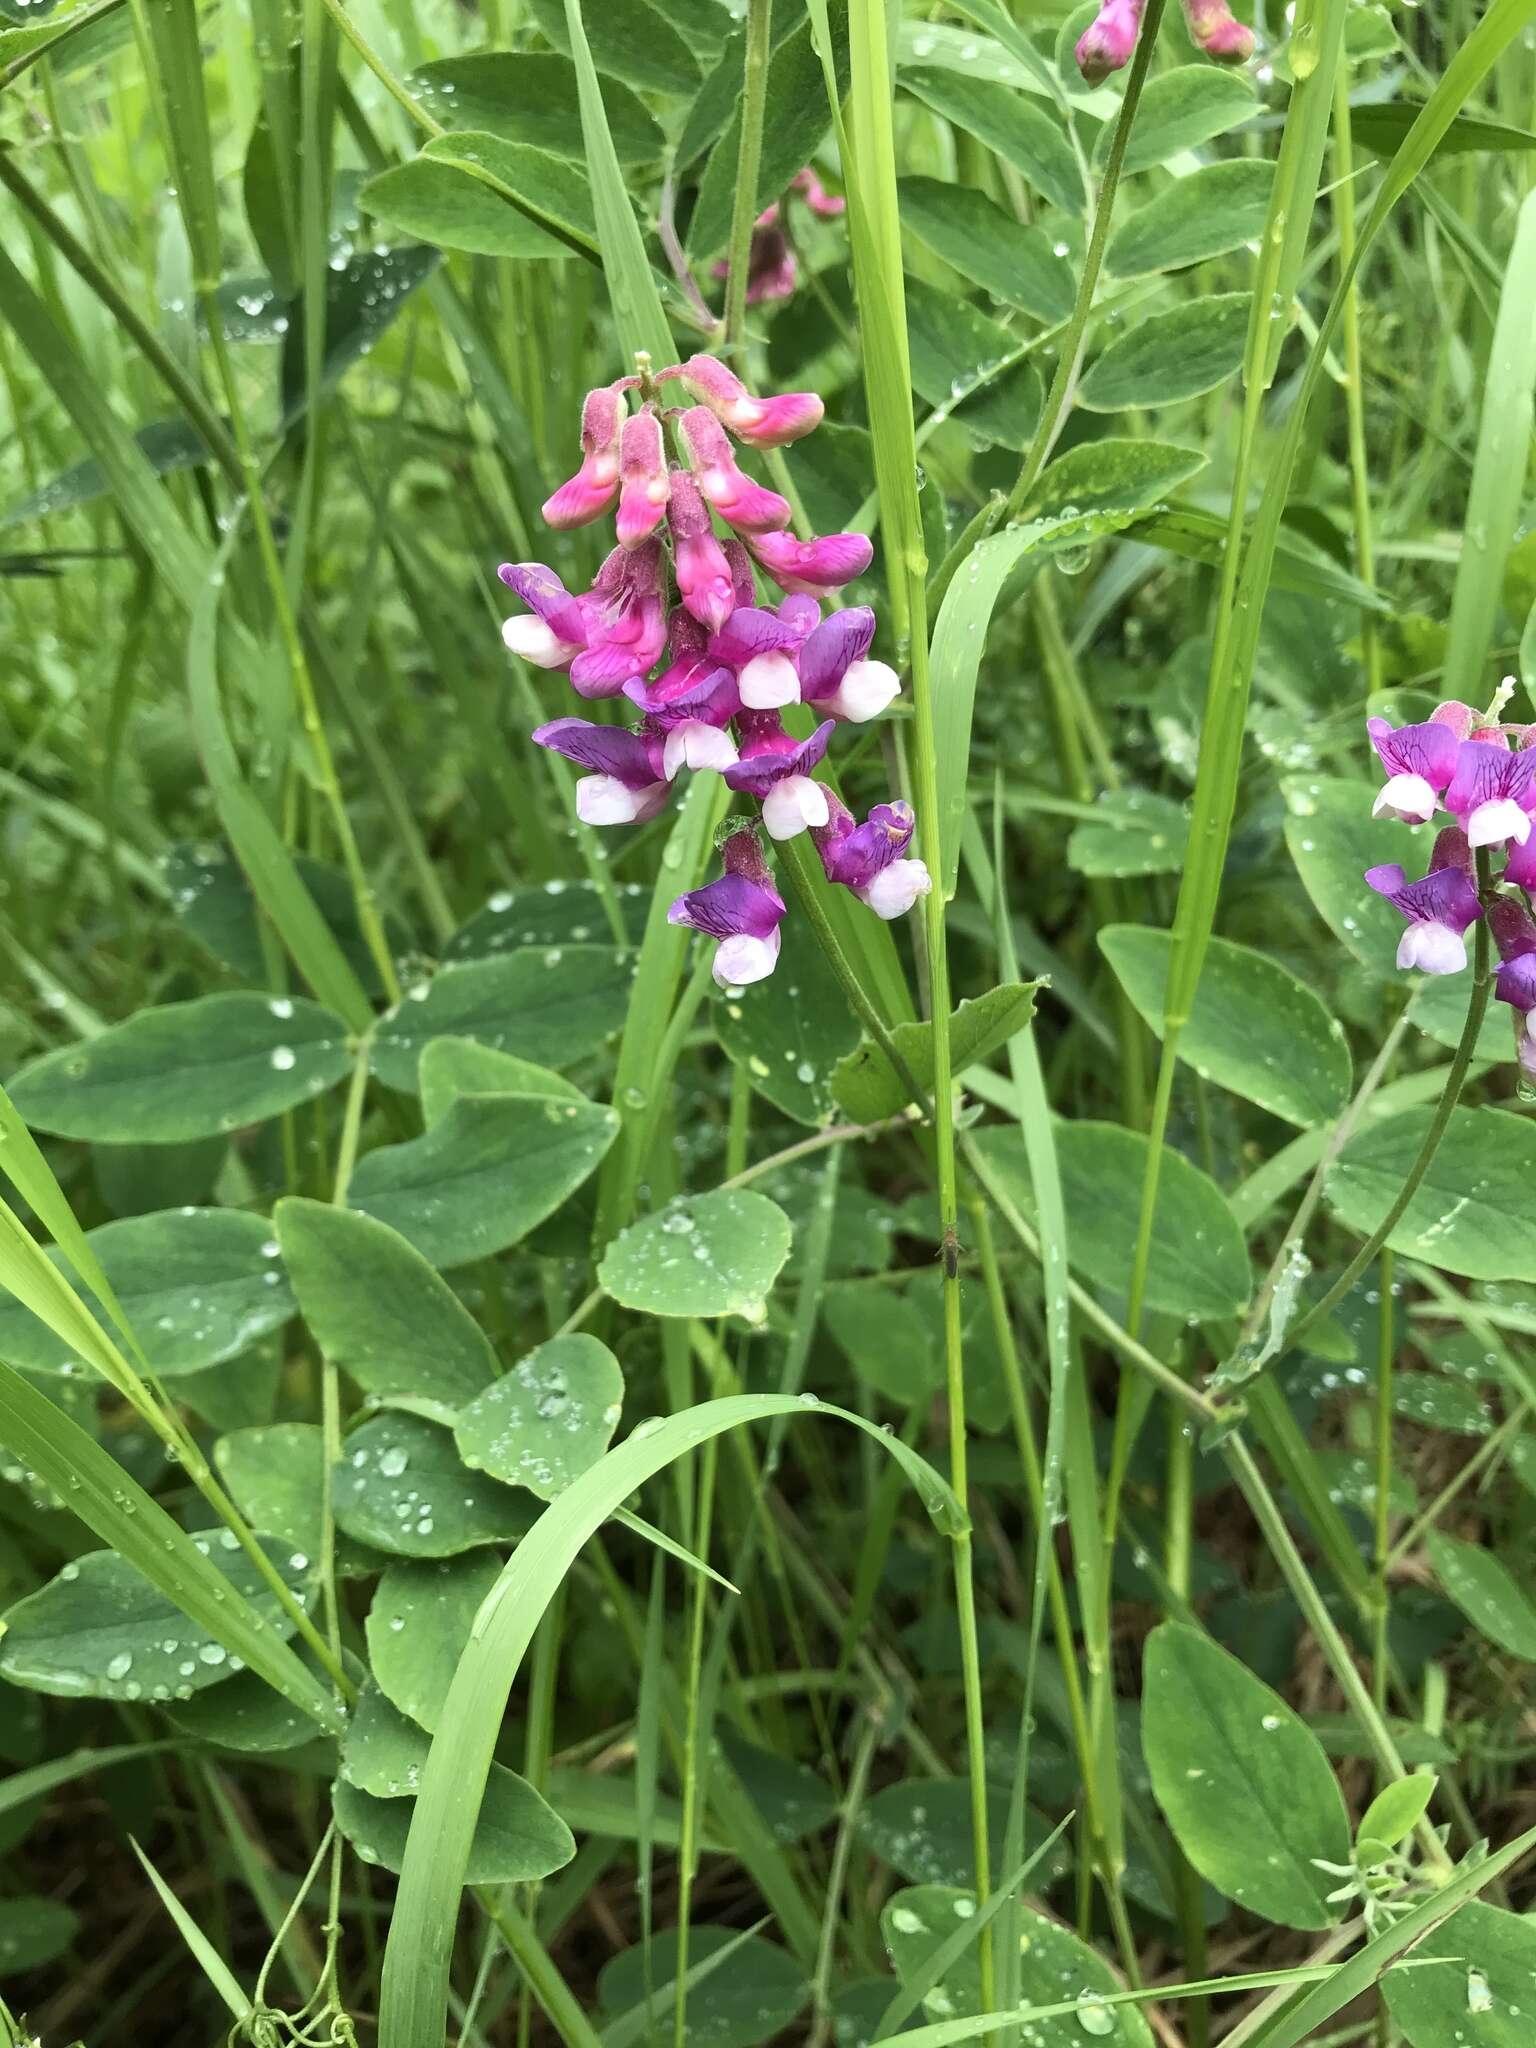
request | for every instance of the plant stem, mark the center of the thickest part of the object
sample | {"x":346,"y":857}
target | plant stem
{"x":1093,"y":262}
{"x":1456,"y":1075}
{"x":1354,"y":390}
{"x":754,"y":93}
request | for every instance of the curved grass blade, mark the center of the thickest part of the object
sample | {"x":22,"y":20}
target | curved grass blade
{"x":96,"y":1488}
{"x":414,"y":2001}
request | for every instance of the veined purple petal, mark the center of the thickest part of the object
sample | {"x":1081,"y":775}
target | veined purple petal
{"x":832,"y":649}
{"x":855,"y":854}
{"x":1516,"y":983}
{"x":605,"y":749}
{"x":1428,"y":750}
{"x":1520,"y":868}
{"x":730,"y":907}
{"x":752,"y":630}
{"x":1489,"y":774}
{"x":1444,"y":896}
{"x":691,"y":690}
{"x":543,"y":592}
{"x":775,"y":757}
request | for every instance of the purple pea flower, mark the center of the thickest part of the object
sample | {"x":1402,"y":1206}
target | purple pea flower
{"x":760,"y":645}
{"x":1438,"y":909}
{"x":691,"y":703}
{"x":825,"y":562}
{"x":836,"y":674}
{"x":742,"y":910}
{"x":869,"y":858}
{"x":590,"y":491}
{"x":1107,"y":42}
{"x":629,"y":782}
{"x":554,"y":630}
{"x":1514,"y":933}
{"x":776,"y":769}
{"x":1493,"y":792}
{"x":1420,"y":761}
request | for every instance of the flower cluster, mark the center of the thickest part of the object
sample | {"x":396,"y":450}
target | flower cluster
{"x":1107,"y":42}
{"x":1483,"y":774}
{"x":772,"y":272}
{"x":712,"y":672}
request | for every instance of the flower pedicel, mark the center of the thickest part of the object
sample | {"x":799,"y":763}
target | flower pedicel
{"x":674,"y":623}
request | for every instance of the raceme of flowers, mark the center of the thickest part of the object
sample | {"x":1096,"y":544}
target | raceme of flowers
{"x":1109,"y":39}
{"x":1483,"y":774}
{"x":673,"y":623}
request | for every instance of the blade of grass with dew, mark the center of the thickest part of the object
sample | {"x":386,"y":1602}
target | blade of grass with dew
{"x":207,"y":1957}
{"x":1498,"y":472}
{"x":637,"y":309}
{"x":879,"y":288}
{"x":418,"y":1954}
{"x":96,"y":1488}
{"x":17,"y":1788}
{"x":258,"y":845}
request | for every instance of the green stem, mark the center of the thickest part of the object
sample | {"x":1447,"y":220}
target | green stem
{"x":1456,"y":1075}
{"x":1382,"y":1505}
{"x":1093,"y":262}
{"x":754,"y":94}
{"x":1354,"y":387}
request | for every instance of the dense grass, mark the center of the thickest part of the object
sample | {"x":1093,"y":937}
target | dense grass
{"x":987,"y":1472}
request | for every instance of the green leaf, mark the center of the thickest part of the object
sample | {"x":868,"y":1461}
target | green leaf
{"x":1136,"y":832}
{"x":954,"y":347}
{"x":703,"y":1255}
{"x":518,"y":1835}
{"x":971,"y":232}
{"x":532,"y":100}
{"x":1214,"y":209}
{"x":553,"y":1005}
{"x":243,"y":1715}
{"x":1476,"y":1983}
{"x":1384,"y":127}
{"x":547,"y":187}
{"x":1021,"y":132}
{"x":383,"y":1751}
{"x":451,"y":1067}
{"x":275,"y":1472}
{"x":362,"y":299}
{"x":1053,"y":1965}
{"x":1254,"y":1028}
{"x":1198,"y":1269}
{"x":1111,"y":476}
{"x":788,"y":1032}
{"x":869,"y":1088}
{"x":1487,"y":1593}
{"x":1170,"y":356}
{"x":888,"y":1347}
{"x":1241,"y":1779}
{"x":444,"y":197}
{"x":401,"y":1486}
{"x":187,"y":1070}
{"x":100,"y":1630}
{"x":749,"y":1998}
{"x":558,"y":913}
{"x":197,"y":1285}
{"x":167,"y":446}
{"x":34,"y":1931}
{"x":630,"y":41}
{"x":1396,"y":1811}
{"x":485,"y":1175}
{"x":921,"y":1827}
{"x":1179,"y":111}
{"x":418,"y":1625}
{"x":1470,"y":1214}
{"x":546,"y":1420}
{"x":379,"y":1310}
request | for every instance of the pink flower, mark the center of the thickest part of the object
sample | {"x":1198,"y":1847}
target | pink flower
{"x":761,"y":422}
{"x":590,"y":491}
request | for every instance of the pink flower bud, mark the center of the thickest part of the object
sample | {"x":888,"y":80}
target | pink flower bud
{"x":1107,"y":42}
{"x":825,"y":562}
{"x":703,"y":572}
{"x":760,"y":422}
{"x":590,"y":491}
{"x":742,"y":503}
{"x":642,"y":479}
{"x":1213,"y":29}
